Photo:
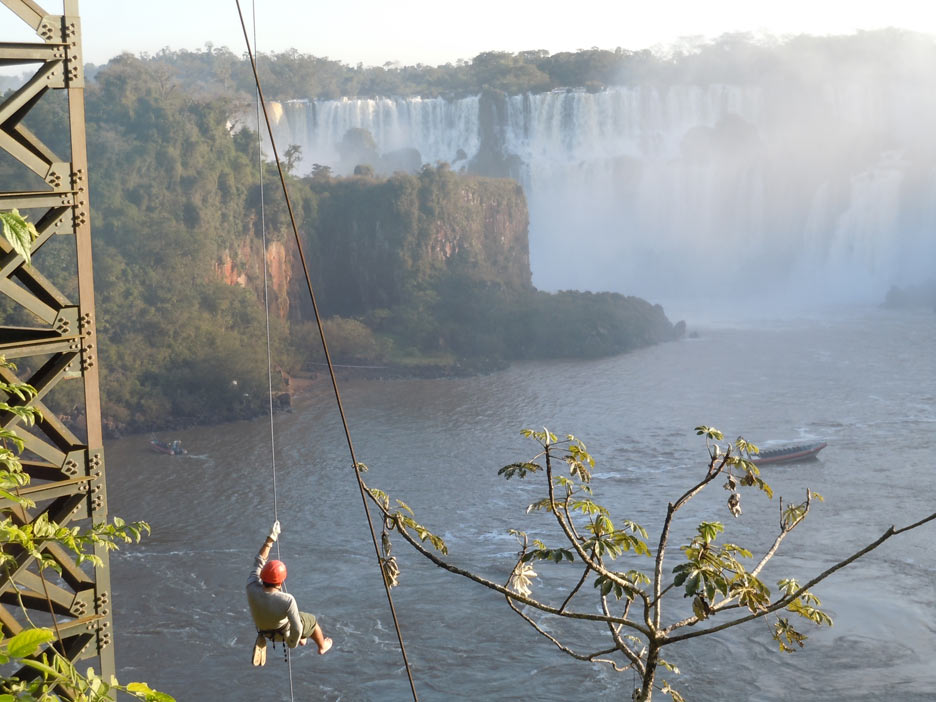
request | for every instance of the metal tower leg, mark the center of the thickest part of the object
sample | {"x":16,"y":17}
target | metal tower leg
{"x":53,"y":340}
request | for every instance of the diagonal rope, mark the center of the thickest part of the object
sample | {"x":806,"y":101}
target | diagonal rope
{"x":269,"y":351}
{"x":331,"y":368}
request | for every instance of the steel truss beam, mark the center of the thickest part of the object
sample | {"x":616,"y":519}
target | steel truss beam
{"x":57,"y":344}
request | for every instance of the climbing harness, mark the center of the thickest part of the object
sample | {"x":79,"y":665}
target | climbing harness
{"x":318,"y":320}
{"x":274,"y":636}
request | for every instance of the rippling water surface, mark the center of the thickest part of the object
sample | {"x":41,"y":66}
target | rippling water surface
{"x":865,"y":383}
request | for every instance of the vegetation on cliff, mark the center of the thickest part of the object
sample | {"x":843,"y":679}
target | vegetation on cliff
{"x":432,"y":266}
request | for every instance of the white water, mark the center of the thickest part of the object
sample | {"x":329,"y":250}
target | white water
{"x":686,"y":192}
{"x":437,"y":128}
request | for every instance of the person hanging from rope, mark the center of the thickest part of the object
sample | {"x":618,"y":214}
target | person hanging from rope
{"x":275,"y":612}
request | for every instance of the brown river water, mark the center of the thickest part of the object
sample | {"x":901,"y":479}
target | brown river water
{"x":863,"y":380}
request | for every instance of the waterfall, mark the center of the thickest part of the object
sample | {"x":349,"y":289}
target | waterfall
{"x":435,"y":127}
{"x":685,"y":191}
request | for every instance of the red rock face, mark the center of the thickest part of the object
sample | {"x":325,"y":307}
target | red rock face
{"x":280,"y":275}
{"x":243,"y":270}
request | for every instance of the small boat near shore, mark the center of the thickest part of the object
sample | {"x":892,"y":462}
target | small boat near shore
{"x":789,"y":454}
{"x":170,"y":448}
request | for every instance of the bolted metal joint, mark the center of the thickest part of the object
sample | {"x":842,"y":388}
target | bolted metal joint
{"x":50,"y":29}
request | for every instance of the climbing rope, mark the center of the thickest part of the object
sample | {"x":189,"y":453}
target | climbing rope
{"x":266,"y":294}
{"x":269,"y":350}
{"x":328,"y":360}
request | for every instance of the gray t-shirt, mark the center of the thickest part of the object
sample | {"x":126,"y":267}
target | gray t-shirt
{"x":271,"y":610}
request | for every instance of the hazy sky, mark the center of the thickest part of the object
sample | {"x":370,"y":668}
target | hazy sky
{"x":439,"y":31}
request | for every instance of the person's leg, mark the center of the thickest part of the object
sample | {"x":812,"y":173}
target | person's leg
{"x":311,"y":629}
{"x":323,"y":642}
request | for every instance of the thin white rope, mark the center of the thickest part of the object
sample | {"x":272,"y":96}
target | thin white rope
{"x":266,"y":308}
{"x":266,"y":294}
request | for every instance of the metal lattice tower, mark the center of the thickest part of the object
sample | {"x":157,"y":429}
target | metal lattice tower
{"x":56,"y":345}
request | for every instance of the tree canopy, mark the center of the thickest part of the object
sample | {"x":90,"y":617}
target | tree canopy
{"x":736,"y":58}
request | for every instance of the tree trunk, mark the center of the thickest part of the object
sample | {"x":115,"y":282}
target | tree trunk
{"x":646,"y":685}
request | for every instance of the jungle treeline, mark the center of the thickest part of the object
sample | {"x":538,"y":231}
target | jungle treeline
{"x":175,"y":212}
{"x":736,"y":59}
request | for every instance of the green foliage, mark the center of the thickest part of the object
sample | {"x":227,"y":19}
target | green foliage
{"x":31,"y":647}
{"x":519,"y":469}
{"x":19,"y":232}
{"x":350,"y":341}
{"x":12,"y":476}
{"x":624,"y":585}
{"x":26,"y":643}
{"x":611,"y":542}
{"x":55,"y":671}
{"x":805,"y":604}
{"x":786,"y":636}
{"x":556,"y":555}
{"x":602,"y":538}
{"x":710,"y":433}
{"x":30,"y":536}
{"x":289,"y":74}
{"x":730,"y":59}
{"x":405,"y":519}
{"x":711,"y":570}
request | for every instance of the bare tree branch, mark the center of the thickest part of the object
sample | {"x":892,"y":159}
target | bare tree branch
{"x":562,"y":647}
{"x":575,"y":589}
{"x":784,"y":530}
{"x":400,"y":528}
{"x":634,"y":658}
{"x":671,"y":509}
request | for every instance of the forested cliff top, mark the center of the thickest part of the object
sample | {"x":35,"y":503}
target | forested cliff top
{"x":732,"y":59}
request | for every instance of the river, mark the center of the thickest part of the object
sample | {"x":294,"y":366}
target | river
{"x":863,"y":380}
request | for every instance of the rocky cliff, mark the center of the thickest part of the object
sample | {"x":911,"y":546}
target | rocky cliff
{"x":370,"y":242}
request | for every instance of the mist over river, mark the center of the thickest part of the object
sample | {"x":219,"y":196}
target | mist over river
{"x":863,"y":380}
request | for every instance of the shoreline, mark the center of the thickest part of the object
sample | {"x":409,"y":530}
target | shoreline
{"x":305,"y":383}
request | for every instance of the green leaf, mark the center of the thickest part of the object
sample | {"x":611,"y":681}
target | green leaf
{"x":26,"y":643}
{"x":709,"y":531}
{"x":519,"y":469}
{"x":545,"y":503}
{"x":18,"y":232}
{"x":143,"y":691}
{"x":709,"y":433}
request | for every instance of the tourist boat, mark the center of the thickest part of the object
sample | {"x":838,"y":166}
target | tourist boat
{"x":171,"y":448}
{"x":789,"y":454}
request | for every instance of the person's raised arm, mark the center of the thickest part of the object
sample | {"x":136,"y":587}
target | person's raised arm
{"x":268,"y":544}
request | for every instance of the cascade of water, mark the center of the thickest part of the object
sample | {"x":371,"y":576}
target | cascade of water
{"x":435,"y":127}
{"x":687,"y":190}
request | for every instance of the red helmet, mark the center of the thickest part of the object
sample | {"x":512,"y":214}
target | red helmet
{"x":273,"y":573}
